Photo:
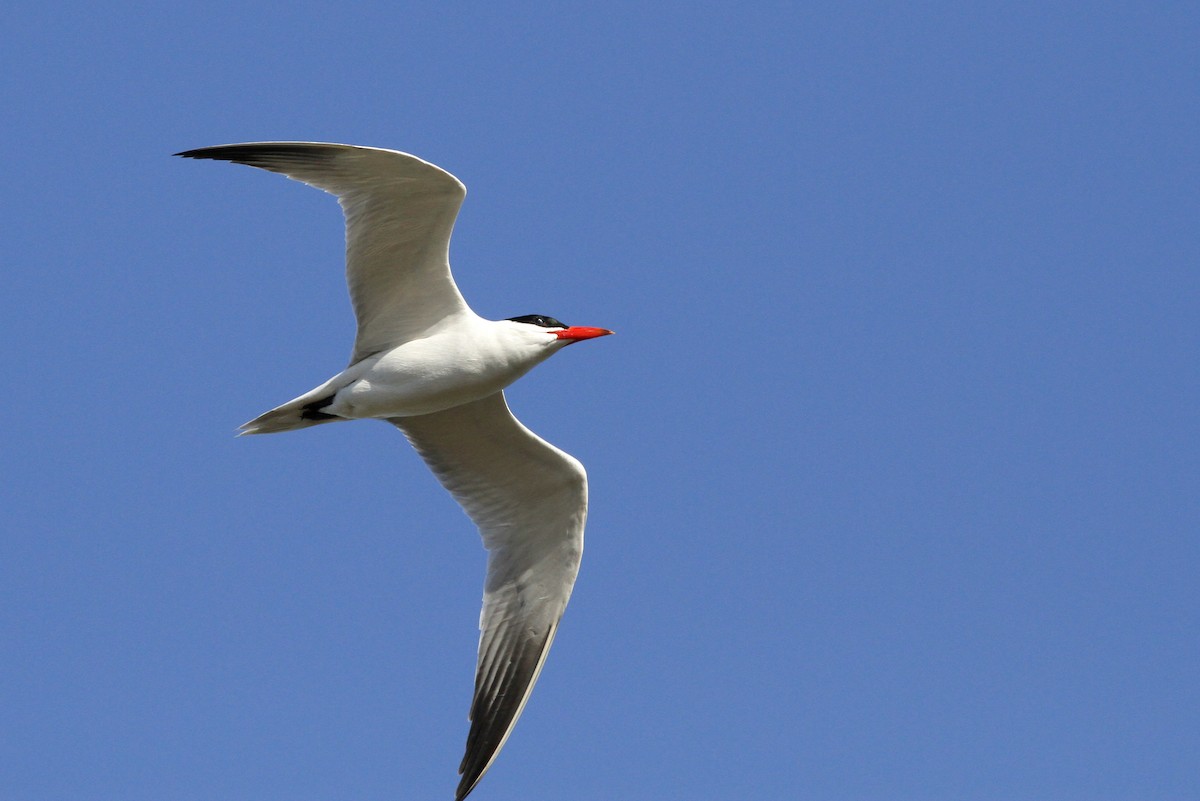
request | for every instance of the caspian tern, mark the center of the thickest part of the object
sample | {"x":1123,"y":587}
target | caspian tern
{"x":426,"y":363}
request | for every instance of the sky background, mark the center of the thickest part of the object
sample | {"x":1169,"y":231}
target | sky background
{"x":894,"y":460}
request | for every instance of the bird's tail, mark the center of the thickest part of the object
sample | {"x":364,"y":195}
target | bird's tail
{"x":302,"y":412}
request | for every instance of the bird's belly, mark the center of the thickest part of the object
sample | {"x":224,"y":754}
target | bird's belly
{"x":406,"y":383}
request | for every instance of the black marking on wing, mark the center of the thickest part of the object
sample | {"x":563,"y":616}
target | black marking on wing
{"x":498,"y":698}
{"x":268,"y":154}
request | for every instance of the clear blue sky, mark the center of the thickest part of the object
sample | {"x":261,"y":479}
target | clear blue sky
{"x":894,"y":460}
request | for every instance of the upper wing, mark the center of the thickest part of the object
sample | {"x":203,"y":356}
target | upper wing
{"x":529,"y":500}
{"x":399,"y":210}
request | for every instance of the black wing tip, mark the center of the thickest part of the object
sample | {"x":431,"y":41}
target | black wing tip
{"x":254,"y":153}
{"x":465,"y":788}
{"x":494,"y":713}
{"x":483,"y":745}
{"x":473,"y":766}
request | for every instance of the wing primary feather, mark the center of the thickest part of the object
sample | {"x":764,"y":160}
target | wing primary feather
{"x":493,"y":715}
{"x":267,"y":154}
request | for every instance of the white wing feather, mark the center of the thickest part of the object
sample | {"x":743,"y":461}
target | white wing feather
{"x":529,"y":500}
{"x":399,"y":212}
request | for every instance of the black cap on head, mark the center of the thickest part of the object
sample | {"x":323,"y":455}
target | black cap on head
{"x":539,"y":319}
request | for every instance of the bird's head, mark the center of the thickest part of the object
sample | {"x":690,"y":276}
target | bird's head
{"x":545,"y":329}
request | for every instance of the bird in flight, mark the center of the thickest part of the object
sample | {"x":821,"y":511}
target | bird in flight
{"x":423,"y":361}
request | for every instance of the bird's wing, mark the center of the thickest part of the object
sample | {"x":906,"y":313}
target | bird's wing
{"x":529,"y":500}
{"x":399,"y":211}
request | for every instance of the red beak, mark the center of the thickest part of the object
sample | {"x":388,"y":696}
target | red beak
{"x":578,"y":332}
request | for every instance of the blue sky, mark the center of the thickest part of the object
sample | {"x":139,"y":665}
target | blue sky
{"x":894,"y":460}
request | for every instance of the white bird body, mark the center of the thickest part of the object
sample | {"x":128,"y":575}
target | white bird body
{"x":463,"y":360}
{"x":423,"y":361}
